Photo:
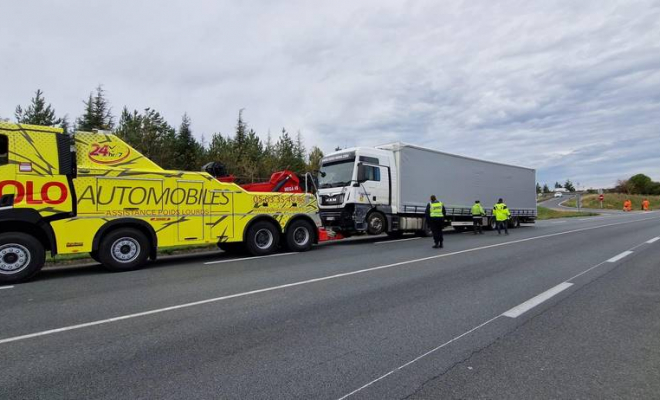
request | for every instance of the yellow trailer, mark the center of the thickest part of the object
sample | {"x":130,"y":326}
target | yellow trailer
{"x":96,"y":194}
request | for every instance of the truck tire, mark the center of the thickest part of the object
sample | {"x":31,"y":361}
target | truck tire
{"x":492,"y":224}
{"x":300,"y":236}
{"x":376,"y":223}
{"x":262,"y":238}
{"x":21,"y":257}
{"x":124,"y":249}
{"x":95,"y":256}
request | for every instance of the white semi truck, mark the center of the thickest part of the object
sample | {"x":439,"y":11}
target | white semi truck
{"x":386,"y":189}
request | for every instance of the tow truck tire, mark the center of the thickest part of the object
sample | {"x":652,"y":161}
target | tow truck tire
{"x":299,"y":236}
{"x":124,"y":249}
{"x":21,"y":257}
{"x":262,"y":238}
{"x":376,"y":223}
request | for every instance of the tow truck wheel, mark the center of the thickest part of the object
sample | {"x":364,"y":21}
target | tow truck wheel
{"x":376,"y":223}
{"x":21,"y":257}
{"x":123,"y":250}
{"x":262,"y":238}
{"x":300,"y":236}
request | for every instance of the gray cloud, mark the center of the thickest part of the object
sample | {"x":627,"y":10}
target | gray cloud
{"x":570,"y":88}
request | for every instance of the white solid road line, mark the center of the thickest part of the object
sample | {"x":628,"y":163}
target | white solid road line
{"x":247,"y":258}
{"x":398,"y":240}
{"x":6,"y":287}
{"x":418,"y":358}
{"x":300,"y":283}
{"x":520,"y":309}
{"x":620,"y":256}
{"x":655,"y":239}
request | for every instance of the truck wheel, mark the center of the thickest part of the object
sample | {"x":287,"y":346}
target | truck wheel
{"x":492,"y":224}
{"x":300,"y":236}
{"x":262,"y":238}
{"x":124,"y":249}
{"x":376,"y":223}
{"x":21,"y":257}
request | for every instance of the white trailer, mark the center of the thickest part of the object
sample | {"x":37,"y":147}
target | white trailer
{"x":386,"y":189}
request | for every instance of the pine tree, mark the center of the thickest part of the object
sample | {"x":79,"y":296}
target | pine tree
{"x":187,"y":148}
{"x":546,"y":189}
{"x":149,"y":134}
{"x":538,"y":188}
{"x":315,"y":157}
{"x":568,"y":185}
{"x":98,"y":114}
{"x":557,"y":185}
{"x":37,"y":113}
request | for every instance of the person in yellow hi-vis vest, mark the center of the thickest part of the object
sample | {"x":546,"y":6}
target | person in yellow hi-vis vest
{"x":478,"y":215}
{"x":501,"y":213}
{"x":435,"y":217}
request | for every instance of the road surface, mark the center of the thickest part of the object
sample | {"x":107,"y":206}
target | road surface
{"x":564,"y":309}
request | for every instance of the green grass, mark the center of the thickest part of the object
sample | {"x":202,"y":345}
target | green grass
{"x":546,"y":213}
{"x":614,"y":201}
{"x":167,"y":251}
{"x":544,"y":197}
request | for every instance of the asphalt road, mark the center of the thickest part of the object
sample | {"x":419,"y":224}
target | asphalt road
{"x":367,"y":319}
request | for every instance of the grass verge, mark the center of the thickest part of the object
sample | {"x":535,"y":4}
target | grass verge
{"x":614,"y":201}
{"x":546,"y":213}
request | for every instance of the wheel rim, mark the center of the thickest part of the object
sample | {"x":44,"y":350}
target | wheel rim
{"x":263,"y":239}
{"x":301,"y":236}
{"x":125,"y":250}
{"x":14,"y":258}
{"x":376,"y":224}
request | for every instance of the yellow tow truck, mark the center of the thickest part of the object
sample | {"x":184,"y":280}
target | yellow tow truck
{"x":93,"y":193}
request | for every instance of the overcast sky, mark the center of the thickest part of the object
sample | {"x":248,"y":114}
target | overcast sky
{"x":571,"y":88}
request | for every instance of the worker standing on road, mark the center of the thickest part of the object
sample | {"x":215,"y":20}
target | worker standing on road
{"x":435,"y":217}
{"x":627,"y":205}
{"x":477,"y":217}
{"x":646,"y":205}
{"x":501,"y":213}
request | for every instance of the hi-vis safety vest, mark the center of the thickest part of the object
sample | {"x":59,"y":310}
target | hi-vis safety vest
{"x":501,"y":212}
{"x":477,"y":210}
{"x":436,"y":210}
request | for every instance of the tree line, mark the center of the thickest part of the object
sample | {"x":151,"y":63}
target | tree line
{"x":568,"y":185}
{"x":638,"y":184}
{"x":243,"y":152}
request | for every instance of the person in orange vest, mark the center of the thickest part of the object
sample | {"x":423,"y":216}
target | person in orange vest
{"x":646,"y":205}
{"x":627,"y":205}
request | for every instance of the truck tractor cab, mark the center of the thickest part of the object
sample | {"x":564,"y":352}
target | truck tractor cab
{"x":355,"y":191}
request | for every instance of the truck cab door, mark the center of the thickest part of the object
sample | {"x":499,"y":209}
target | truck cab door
{"x":375,"y":189}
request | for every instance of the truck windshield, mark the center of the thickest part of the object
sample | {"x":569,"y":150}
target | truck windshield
{"x":336,"y":174}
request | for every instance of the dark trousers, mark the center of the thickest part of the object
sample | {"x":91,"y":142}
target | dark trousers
{"x":478,"y":223}
{"x":502,"y":225}
{"x":437,"y":225}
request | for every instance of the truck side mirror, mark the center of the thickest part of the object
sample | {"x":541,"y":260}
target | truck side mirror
{"x":362,"y":174}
